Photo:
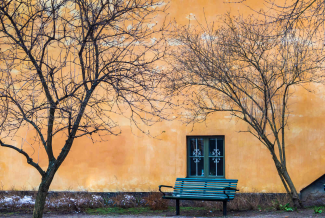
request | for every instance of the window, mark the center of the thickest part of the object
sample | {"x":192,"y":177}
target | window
{"x":205,"y":156}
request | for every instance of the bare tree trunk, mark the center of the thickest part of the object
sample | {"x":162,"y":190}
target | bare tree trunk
{"x":288,"y":184}
{"x":40,"y":201}
{"x":43,"y":191}
{"x":294,"y":194}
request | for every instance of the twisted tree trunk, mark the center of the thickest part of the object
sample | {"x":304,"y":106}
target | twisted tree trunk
{"x":293,"y":192}
{"x":43,"y":191}
{"x":287,"y":182}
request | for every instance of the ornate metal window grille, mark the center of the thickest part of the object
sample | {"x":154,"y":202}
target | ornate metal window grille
{"x":206,"y":157}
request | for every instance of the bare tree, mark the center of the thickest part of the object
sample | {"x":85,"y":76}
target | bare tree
{"x":69,"y":66}
{"x":249,"y":70}
{"x":295,"y":14}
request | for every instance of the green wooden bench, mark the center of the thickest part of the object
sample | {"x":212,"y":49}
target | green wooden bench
{"x":202,"y":189}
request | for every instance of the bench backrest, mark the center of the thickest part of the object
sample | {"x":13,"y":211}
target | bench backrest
{"x":205,"y":188}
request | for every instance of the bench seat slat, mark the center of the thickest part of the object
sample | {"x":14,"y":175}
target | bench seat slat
{"x":209,"y":181}
{"x":203,"y":186}
{"x":208,"y":196}
{"x":198,"y":198}
{"x":204,"y":190}
{"x":206,"y":185}
{"x":201,"y":193}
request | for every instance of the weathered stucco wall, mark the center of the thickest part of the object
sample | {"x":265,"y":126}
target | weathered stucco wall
{"x":135,"y":162}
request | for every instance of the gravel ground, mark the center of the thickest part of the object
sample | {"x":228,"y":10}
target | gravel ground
{"x":254,"y":214}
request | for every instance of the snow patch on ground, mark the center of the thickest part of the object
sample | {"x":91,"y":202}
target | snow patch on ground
{"x":26,"y":200}
{"x":65,"y":201}
{"x":17,"y":200}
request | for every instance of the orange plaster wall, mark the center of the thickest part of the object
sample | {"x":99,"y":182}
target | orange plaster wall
{"x":134,"y":162}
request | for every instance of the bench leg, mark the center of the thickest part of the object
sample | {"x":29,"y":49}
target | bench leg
{"x":177,"y":206}
{"x":225,"y":208}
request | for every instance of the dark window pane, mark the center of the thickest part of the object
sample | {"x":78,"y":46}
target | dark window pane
{"x":192,"y":146}
{"x":196,"y":147}
{"x":220,"y":167}
{"x":212,"y":146}
{"x":197,"y":166}
{"x":200,"y":145}
{"x":216,"y":166}
{"x":212,"y":167}
{"x":192,"y":167}
{"x":220,"y":146}
{"x":201,"y":168}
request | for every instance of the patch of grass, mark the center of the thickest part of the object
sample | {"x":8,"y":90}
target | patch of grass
{"x":191,"y":208}
{"x":134,"y":210}
{"x":318,"y":210}
{"x":118,"y":210}
{"x":7,"y":214}
{"x":286,"y":207}
{"x":268,"y":209}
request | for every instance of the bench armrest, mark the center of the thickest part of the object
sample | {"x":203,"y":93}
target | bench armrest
{"x":228,"y":188}
{"x":166,"y":186}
